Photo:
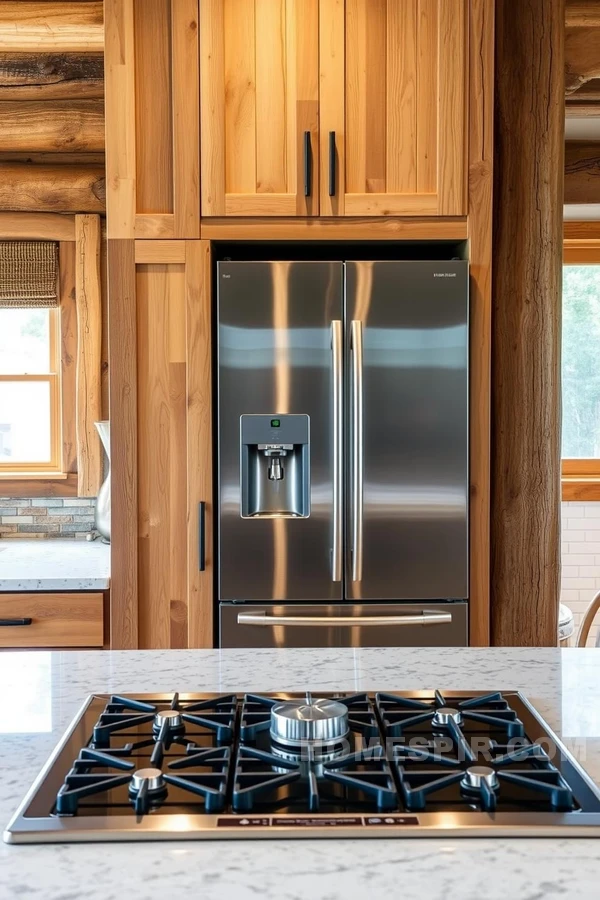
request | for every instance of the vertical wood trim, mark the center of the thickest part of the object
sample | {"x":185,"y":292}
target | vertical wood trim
{"x":123,"y":417}
{"x":68,"y":356}
{"x":481,"y":155}
{"x":212,"y":108}
{"x":119,"y":81}
{"x":527,"y":280}
{"x":332,"y":102}
{"x":186,"y":118}
{"x":303,"y":100}
{"x":199,"y":440}
{"x":89,"y":354}
{"x":452,"y":102}
{"x":401,"y":112}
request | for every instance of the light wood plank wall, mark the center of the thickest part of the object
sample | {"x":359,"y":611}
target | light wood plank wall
{"x":161,"y":302}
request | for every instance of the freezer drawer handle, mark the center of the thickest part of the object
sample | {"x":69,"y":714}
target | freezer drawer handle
{"x":344,"y":621}
{"x":9,"y":623}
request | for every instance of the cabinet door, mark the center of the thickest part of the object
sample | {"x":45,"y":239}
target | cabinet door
{"x":162,"y":442}
{"x":393,"y":92}
{"x":259,"y":87}
{"x":152,"y":118}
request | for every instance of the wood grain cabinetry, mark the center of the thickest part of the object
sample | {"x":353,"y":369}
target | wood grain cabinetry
{"x":160,"y":304}
{"x":51,"y":620}
{"x":259,"y":99}
{"x":333,"y":107}
{"x":152,"y":118}
{"x":393,"y":107}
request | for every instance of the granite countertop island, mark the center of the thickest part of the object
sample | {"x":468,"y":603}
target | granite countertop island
{"x":42,"y":691}
{"x":54,"y":565}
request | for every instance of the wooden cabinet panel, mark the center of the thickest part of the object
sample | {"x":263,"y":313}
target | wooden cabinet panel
{"x":152,"y":118}
{"x":57,"y":620}
{"x":393,"y":90}
{"x":170,"y":416}
{"x":259,"y":83}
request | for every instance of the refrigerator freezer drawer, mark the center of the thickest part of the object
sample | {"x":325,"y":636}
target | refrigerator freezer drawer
{"x":344,"y":625}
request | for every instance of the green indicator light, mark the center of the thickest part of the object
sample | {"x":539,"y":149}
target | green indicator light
{"x":275,"y":423}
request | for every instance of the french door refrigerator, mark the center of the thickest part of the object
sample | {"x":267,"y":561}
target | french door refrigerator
{"x":342,"y":453}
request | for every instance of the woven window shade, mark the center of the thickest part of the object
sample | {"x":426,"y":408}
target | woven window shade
{"x":28,"y":274}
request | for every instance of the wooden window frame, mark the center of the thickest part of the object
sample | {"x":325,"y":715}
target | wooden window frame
{"x":581,"y":246}
{"x":52,"y":378}
{"x":79,"y":240}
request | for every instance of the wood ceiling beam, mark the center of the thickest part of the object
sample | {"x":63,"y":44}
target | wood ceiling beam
{"x":582,"y":172}
{"x":582,"y":57}
{"x":583,"y":13}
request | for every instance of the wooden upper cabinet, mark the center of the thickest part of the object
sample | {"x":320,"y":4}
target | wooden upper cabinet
{"x":152,"y":118}
{"x":393,"y":90}
{"x":259,"y":87}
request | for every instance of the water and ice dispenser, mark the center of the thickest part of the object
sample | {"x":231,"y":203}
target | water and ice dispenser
{"x":275,"y":466}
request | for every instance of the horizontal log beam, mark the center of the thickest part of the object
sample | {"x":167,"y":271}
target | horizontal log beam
{"x":54,"y":159}
{"x":44,"y":27}
{"x":52,"y":125}
{"x":582,"y":57}
{"x":51,"y":76}
{"x":583,"y":13}
{"x":35,"y":188}
{"x":582,"y":172}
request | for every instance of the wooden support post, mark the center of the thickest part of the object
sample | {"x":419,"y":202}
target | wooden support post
{"x":89,"y":354}
{"x":527,"y":277}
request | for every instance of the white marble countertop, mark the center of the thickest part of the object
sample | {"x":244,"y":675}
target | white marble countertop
{"x":56,"y":565}
{"x":42,"y":691}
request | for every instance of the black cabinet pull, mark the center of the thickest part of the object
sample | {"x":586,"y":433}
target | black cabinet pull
{"x":307,"y":165}
{"x":332,"y":163}
{"x":202,"y":536}
{"x":11,"y":622}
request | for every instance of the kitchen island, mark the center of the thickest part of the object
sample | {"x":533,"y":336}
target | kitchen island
{"x":42,"y":691}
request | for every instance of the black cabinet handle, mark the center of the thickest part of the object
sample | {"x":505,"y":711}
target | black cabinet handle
{"x":202,"y":536}
{"x":332,"y":163}
{"x":11,"y":622}
{"x":307,"y":165}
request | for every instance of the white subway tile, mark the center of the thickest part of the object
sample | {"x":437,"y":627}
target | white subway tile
{"x":586,"y":571}
{"x":584,"y":548}
{"x":579,"y":559}
{"x":569,"y":596}
{"x":573,"y":571}
{"x":572,"y":523}
{"x":573,"y":537}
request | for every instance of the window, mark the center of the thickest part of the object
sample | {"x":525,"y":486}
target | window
{"x":30,"y":394}
{"x":581,"y":370}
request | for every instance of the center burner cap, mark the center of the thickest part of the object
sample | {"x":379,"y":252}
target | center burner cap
{"x":476,"y":775}
{"x":171,"y":716}
{"x":297,"y":722}
{"x":444,"y":715}
{"x":153,"y":777}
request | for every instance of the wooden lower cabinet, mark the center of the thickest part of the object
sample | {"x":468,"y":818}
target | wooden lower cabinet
{"x":51,"y":620}
{"x":160,"y":310}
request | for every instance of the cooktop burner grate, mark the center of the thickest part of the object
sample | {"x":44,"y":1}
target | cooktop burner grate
{"x":441,"y":760}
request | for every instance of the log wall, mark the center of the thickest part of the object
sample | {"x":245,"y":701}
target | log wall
{"x":52,"y":106}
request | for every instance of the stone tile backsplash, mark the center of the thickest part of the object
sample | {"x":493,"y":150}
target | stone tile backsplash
{"x":46,"y":517}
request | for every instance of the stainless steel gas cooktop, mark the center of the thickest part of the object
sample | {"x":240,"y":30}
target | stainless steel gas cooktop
{"x":406,"y":764}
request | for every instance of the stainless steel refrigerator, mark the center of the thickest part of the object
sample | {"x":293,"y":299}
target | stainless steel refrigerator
{"x":343,"y":453}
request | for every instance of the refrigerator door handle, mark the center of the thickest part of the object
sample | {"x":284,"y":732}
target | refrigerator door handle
{"x":343,"y":621}
{"x":356,"y":347}
{"x":338,"y":374}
